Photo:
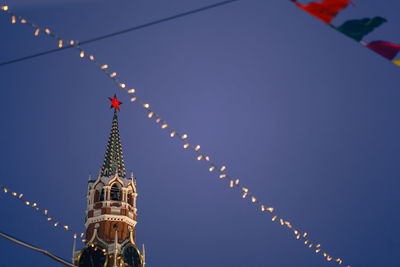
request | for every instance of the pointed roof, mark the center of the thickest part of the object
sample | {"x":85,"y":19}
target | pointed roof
{"x":113,"y":159}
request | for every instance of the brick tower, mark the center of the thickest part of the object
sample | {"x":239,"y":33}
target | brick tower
{"x":111,"y":211}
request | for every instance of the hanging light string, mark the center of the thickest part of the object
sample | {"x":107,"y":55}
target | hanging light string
{"x":19,"y":242}
{"x":200,"y":156}
{"x":44,"y":212}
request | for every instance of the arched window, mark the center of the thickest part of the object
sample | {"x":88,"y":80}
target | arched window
{"x":115,"y":193}
{"x":102,"y":195}
{"x":96,"y":196}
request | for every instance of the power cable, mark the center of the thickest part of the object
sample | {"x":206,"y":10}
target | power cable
{"x":134,"y":28}
{"x":19,"y":242}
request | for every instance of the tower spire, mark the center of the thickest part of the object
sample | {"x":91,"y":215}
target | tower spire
{"x":113,"y":158}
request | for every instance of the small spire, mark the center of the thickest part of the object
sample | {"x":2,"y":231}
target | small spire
{"x":113,"y":160}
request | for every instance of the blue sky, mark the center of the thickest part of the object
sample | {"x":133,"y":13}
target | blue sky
{"x":305,"y":117}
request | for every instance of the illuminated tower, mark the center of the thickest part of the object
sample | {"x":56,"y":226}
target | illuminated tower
{"x":111,"y":211}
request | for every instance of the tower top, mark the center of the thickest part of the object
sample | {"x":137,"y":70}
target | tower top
{"x":113,"y":159}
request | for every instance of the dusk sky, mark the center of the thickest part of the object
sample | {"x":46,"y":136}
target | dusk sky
{"x":305,"y":117}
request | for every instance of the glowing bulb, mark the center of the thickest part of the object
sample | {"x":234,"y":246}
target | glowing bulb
{"x":20,"y":195}
{"x":253,"y":199}
{"x":72,"y":42}
{"x":186,"y":145}
{"x":207,"y":158}
{"x":81,"y":235}
{"x":49,"y":219}
{"x":317,"y":246}
{"x":56,"y":224}
{"x":91,"y":57}
{"x":211,"y":168}
{"x":146,"y":105}
{"x":82,"y":54}
{"x":133,"y":99}
{"x":23,"y":21}
{"x":184,"y":136}
{"x":5,"y":190}
{"x":164,"y":126}
{"x":197,"y":148}
{"x":14,"y":194}
{"x":92,"y":245}
{"x":231,"y":184}
{"x":199,"y":157}
{"x":244,"y":195}
{"x":47,"y":31}
{"x":245,"y":189}
{"x":34,"y":205}
{"x":296,"y":232}
{"x":27,"y":203}
{"x":112,"y":75}
{"x":305,"y":234}
{"x":223,"y":168}
{"x":131,"y":91}
{"x":150,"y":115}
{"x":105,"y":66}
{"x":123,"y":85}
{"x":13,"y":19}
{"x":66,"y":227}
{"x":281,"y":221}
{"x":310,"y":246}
{"x":274,"y":218}
{"x":298,"y":237}
{"x":5,"y":8}
{"x":37,"y":32}
{"x":60,"y":43}
{"x":317,"y":250}
{"x":45,"y":212}
{"x":237,"y":181}
{"x":270,"y":209}
{"x":305,"y":242}
{"x":172,"y":134}
{"x":262,"y":208}
{"x":158,"y":120}
{"x":222,"y":175}
{"x":74,"y":236}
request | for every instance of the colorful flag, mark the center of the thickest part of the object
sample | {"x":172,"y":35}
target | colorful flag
{"x":386,"y":49}
{"x":397,"y":62}
{"x":358,"y":28}
{"x":325,"y":10}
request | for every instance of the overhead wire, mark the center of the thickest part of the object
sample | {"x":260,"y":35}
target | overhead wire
{"x":113,"y":34}
{"x":45,"y":252}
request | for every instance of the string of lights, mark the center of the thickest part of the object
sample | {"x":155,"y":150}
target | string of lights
{"x":220,"y":171}
{"x":43,"y":212}
{"x":113,"y":34}
{"x":19,"y":242}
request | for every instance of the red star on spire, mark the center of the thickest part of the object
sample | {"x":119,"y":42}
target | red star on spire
{"x":114,"y":102}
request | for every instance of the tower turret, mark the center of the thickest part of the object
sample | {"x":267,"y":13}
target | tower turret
{"x":111,"y":214}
